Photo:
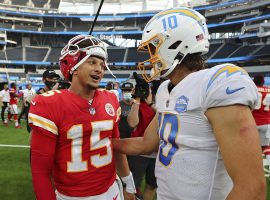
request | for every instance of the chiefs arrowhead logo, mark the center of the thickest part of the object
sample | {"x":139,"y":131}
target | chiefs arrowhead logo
{"x":109,"y":109}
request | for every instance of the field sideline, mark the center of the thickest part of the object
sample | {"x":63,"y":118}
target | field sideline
{"x":15,"y":176}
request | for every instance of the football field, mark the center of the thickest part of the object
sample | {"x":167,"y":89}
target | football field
{"x":15,"y":176}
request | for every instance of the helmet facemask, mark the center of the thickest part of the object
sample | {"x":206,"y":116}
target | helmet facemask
{"x":155,"y":62}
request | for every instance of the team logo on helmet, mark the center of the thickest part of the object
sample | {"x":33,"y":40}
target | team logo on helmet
{"x":109,"y":109}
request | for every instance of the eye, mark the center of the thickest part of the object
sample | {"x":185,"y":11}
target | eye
{"x":91,"y":62}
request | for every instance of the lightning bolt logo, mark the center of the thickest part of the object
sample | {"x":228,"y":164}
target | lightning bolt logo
{"x":228,"y":70}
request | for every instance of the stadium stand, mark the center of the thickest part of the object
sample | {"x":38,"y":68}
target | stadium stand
{"x":20,"y":2}
{"x":237,"y":33}
{"x":55,"y":4}
{"x":244,"y":51}
{"x":134,"y":56}
{"x":227,"y":50}
{"x":116,"y":54}
{"x":14,"y":53}
{"x":36,"y":54}
{"x":54,"y":54}
{"x":212,"y":49}
{"x":265,"y":50}
{"x":40,"y":3}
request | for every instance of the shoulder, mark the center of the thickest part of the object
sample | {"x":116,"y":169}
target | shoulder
{"x":107,"y":94}
{"x":228,"y":84}
{"x":47,"y":101}
{"x":163,"y":86}
{"x":225,"y":72}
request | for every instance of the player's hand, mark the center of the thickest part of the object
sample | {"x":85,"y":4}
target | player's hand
{"x":55,"y":87}
{"x":129,"y":196}
{"x":141,"y":87}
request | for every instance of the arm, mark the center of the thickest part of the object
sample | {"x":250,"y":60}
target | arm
{"x":133,"y":115}
{"x":42,"y":157}
{"x":125,"y":174}
{"x":238,"y":140}
{"x":139,"y":145}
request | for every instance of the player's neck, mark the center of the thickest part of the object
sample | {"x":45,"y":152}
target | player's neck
{"x":178,"y":75}
{"x":83,"y":92}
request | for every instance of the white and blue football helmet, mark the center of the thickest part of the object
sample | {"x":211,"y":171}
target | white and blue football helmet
{"x":168,"y":37}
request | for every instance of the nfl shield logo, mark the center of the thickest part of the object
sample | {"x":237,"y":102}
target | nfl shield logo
{"x":181,"y":104}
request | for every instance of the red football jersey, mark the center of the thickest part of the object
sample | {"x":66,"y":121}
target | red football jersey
{"x":83,"y":162}
{"x":13,"y":97}
{"x":146,"y":114}
{"x":262,"y":113}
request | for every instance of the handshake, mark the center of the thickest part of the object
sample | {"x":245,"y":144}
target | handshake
{"x":141,"y":87}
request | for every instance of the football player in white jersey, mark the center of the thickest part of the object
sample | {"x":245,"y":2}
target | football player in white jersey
{"x":208,"y":143}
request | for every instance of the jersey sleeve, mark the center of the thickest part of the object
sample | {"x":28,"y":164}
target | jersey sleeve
{"x":42,"y":115}
{"x":230,"y":85}
{"x":116,"y":133}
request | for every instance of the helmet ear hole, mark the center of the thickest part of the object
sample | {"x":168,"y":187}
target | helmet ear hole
{"x":175,"y":45}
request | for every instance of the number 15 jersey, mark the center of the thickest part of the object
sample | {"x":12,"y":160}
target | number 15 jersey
{"x":83,"y":161}
{"x":189,"y":165}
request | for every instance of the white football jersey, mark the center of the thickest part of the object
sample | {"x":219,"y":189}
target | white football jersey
{"x":189,"y":165}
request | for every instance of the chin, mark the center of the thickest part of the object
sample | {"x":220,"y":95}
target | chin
{"x":93,"y":86}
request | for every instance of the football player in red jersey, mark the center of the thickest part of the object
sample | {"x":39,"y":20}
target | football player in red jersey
{"x":13,"y":108}
{"x":261,"y":114}
{"x":72,"y":131}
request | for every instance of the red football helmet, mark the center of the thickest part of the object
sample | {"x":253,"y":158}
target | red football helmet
{"x":72,"y":55}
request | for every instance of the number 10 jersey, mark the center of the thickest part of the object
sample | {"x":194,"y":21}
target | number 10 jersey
{"x":189,"y":165}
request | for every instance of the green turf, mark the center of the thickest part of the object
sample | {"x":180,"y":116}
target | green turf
{"x":15,"y":176}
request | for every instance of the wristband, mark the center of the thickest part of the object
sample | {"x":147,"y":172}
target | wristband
{"x":130,"y":186}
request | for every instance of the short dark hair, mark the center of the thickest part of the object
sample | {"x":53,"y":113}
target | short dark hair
{"x":258,"y":79}
{"x":12,"y":85}
{"x":194,"y":62}
{"x":110,"y":86}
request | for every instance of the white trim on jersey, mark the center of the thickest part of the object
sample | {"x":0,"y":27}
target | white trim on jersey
{"x":43,"y":123}
{"x":13,"y":109}
{"x":114,"y":192}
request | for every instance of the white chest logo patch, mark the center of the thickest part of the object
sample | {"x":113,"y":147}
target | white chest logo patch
{"x":109,"y":109}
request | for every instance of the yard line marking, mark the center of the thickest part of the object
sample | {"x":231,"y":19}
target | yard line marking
{"x":14,"y":146}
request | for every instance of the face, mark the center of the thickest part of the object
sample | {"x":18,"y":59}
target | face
{"x":5,"y":86}
{"x":127,"y":95}
{"x":90,"y":73}
{"x":29,"y":87}
{"x":50,"y":82}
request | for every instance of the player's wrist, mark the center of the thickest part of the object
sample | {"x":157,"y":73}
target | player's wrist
{"x":136,"y":102}
{"x":129,"y":183}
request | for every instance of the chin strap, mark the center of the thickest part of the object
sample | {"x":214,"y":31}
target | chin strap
{"x":107,"y":67}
